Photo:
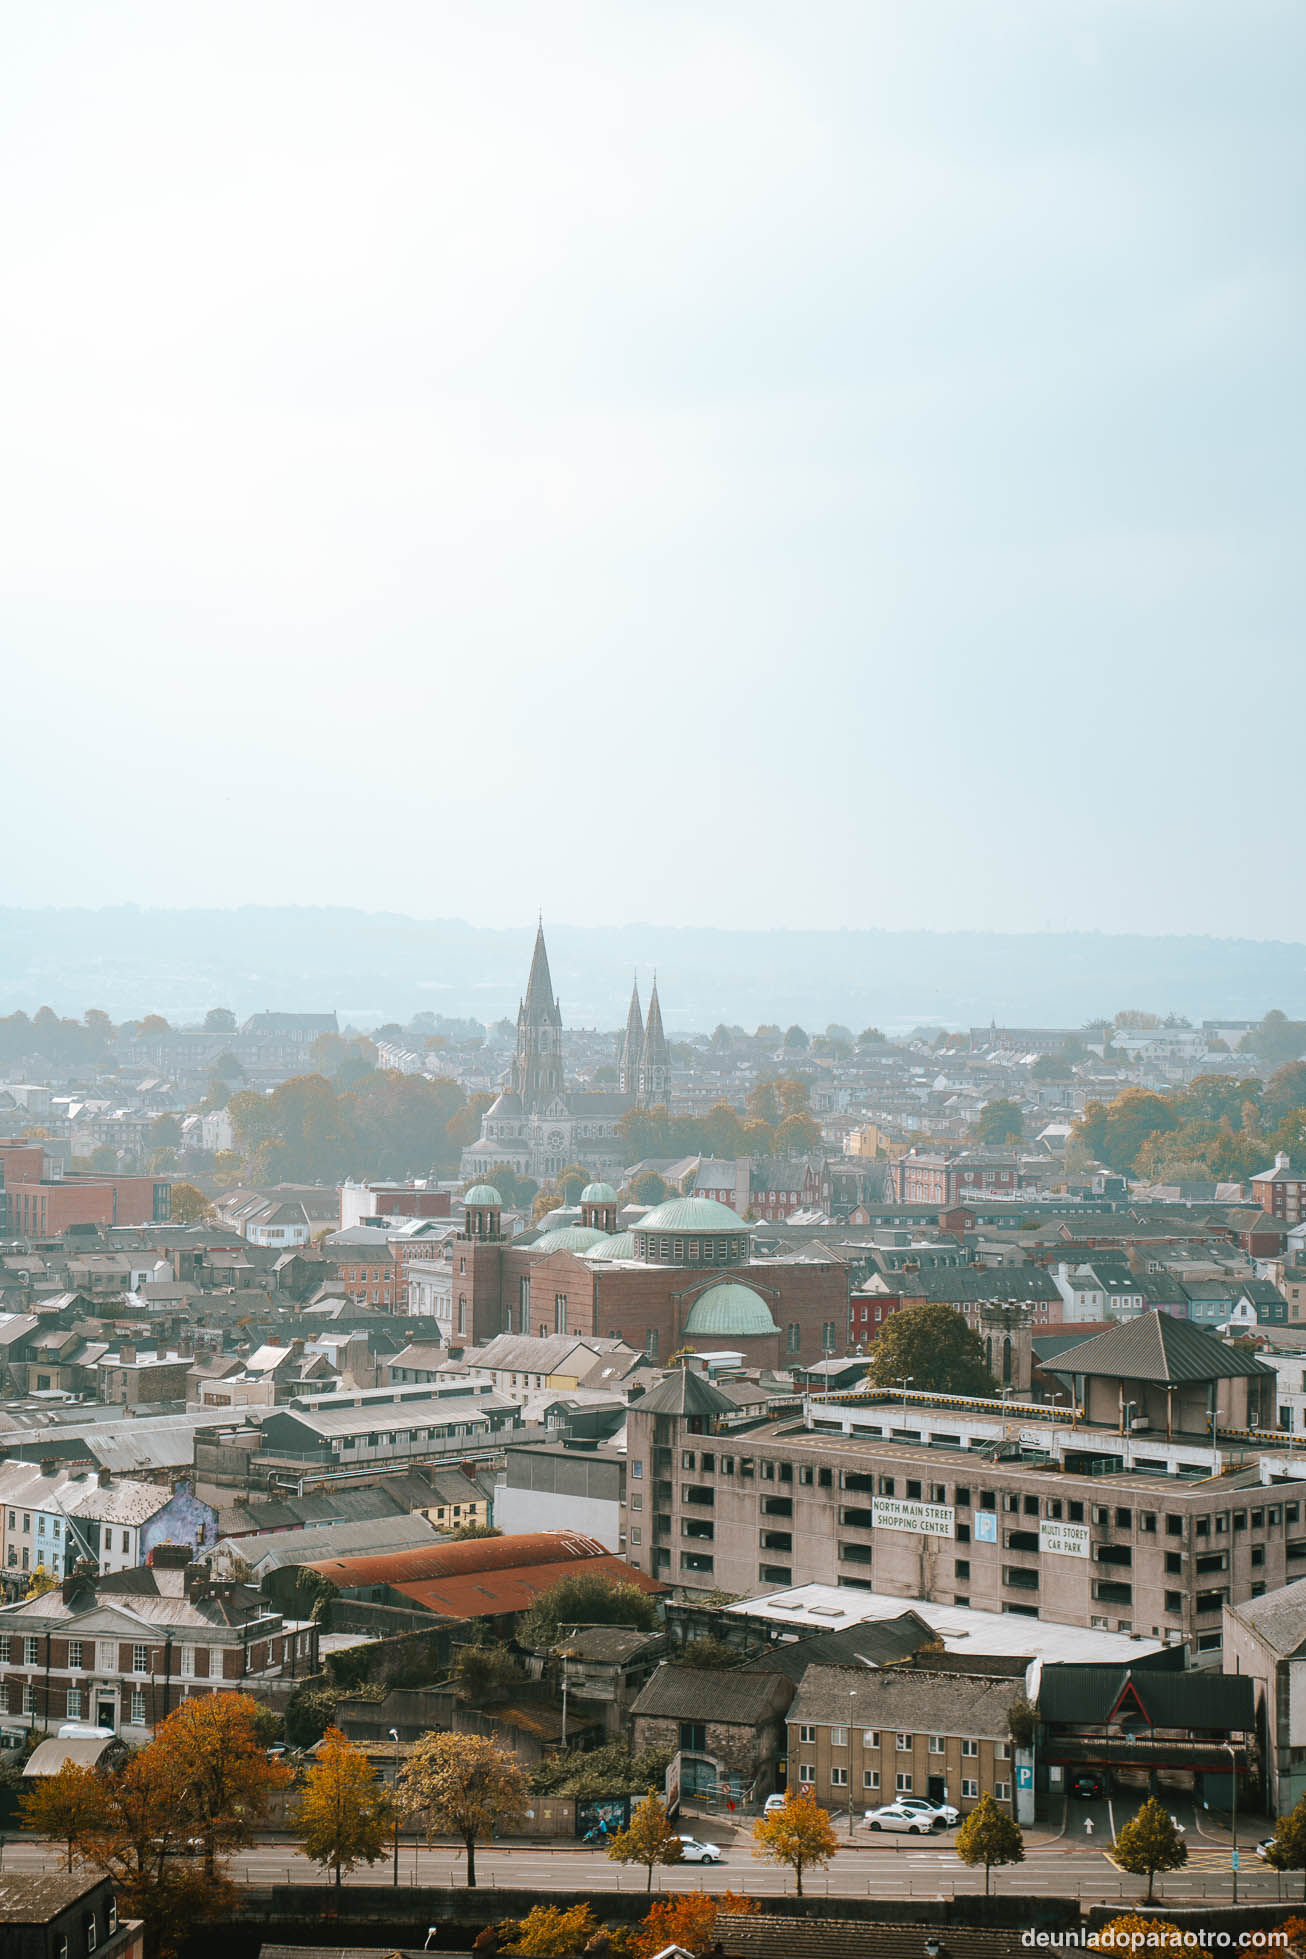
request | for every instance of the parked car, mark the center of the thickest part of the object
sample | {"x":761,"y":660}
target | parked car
{"x":1262,"y":1849}
{"x":1088,"y":1786}
{"x":896,"y":1816}
{"x":694,"y":1852}
{"x":945,"y":1812}
{"x":773,"y":1803}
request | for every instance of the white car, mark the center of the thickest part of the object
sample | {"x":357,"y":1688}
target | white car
{"x":773,"y":1803}
{"x":896,"y":1816}
{"x":945,"y":1812}
{"x":694,"y":1852}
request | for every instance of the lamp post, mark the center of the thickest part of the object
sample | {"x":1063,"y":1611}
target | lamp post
{"x":394,"y":1736}
{"x":1233,"y":1812}
{"x":852,"y":1708}
{"x":904,"y":1382}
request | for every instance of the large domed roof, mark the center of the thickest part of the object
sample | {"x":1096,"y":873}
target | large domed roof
{"x":482,"y":1194}
{"x":598,"y":1194}
{"x":691,"y":1214}
{"x":731,"y":1310}
{"x":622,"y":1245}
{"x":568,"y":1238}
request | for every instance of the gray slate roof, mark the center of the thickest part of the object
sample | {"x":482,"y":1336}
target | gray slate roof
{"x":725,"y":1694}
{"x":1279,"y":1618}
{"x":1158,"y":1347}
{"x":683,"y":1392}
{"x":906,"y":1699}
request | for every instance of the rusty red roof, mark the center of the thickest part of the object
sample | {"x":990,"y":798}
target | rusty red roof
{"x":473,"y":1595}
{"x":508,"y":1565}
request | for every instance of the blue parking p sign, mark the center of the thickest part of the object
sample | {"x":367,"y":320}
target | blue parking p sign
{"x":1025,"y":1776}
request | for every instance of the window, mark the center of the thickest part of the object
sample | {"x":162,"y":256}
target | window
{"x":92,"y":1932}
{"x":4,"y":1649}
{"x":970,"y":1748}
{"x":29,"y":1698}
{"x":937,"y":1746}
{"x":73,"y":1706}
{"x":695,"y":1561}
{"x":138,"y":1707}
{"x":904,"y":1784}
{"x":31,"y":1647}
{"x":870,"y":1737}
{"x":1002,"y":1751}
{"x":560,"y":1312}
{"x":140,"y":1659}
{"x":1002,"y":1790}
{"x":870,"y":1778}
{"x":839,"y":1776}
{"x":969,"y":1787}
{"x":188,"y":1662}
{"x":806,"y":1774}
{"x":903,"y":1744}
{"x":693,"y":1735}
{"x":838,"y":1737}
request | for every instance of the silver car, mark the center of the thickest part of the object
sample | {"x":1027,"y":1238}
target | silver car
{"x":694,"y":1852}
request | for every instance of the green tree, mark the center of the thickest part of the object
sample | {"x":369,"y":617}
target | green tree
{"x":517,"y":1192}
{"x":998,"y":1122}
{"x":467,"y":1786}
{"x":708,"y":1651}
{"x":649,"y":1188}
{"x":1150,"y":1842}
{"x":219,"y":1020}
{"x":343,"y":1812}
{"x":1276,"y":1041}
{"x":989,"y":1836}
{"x":797,"y":1834}
{"x":934,"y":1348}
{"x":587,"y":1599}
{"x":1286,"y":1850}
{"x":763,"y":1104}
{"x":795,"y":1039}
{"x":1115,"y":1132}
{"x":648,"y":1839}
{"x":1285,"y":1092}
{"x":797,"y":1135}
{"x":871,"y":1037}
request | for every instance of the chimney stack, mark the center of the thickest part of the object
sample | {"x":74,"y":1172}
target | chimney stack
{"x":103,"y":1477}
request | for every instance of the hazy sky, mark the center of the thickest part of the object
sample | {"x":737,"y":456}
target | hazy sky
{"x":810,"y":464}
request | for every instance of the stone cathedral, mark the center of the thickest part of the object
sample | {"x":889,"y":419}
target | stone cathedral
{"x":539,"y":1125}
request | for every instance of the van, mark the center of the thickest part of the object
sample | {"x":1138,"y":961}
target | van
{"x":79,"y":1731}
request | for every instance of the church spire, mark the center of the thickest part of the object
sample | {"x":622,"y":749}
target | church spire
{"x":537,"y":1069}
{"x":539,"y":1002}
{"x":655,"y":1063}
{"x":632,"y":1048}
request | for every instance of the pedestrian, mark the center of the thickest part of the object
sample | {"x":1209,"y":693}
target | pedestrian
{"x":1088,"y":1826}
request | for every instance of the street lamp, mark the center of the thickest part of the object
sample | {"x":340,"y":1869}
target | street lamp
{"x":904,"y":1382}
{"x":1233,"y":1811}
{"x":394,"y":1736}
{"x":852,"y":1708}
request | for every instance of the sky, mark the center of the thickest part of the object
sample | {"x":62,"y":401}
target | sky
{"x":742,"y":463}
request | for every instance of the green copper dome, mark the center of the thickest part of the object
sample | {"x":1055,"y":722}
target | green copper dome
{"x":568,"y":1238}
{"x":730,"y":1310}
{"x":690,"y":1214}
{"x":482,"y":1194}
{"x":620,"y":1246}
{"x":598,"y":1194}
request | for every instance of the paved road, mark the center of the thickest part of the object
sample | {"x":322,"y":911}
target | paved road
{"x":882,"y":1867}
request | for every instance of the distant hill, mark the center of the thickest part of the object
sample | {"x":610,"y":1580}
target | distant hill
{"x":374,"y":966}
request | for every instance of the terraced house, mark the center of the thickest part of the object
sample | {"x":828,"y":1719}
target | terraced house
{"x":866,"y":1735}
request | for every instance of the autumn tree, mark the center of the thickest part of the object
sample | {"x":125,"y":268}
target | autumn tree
{"x":466,"y":1785}
{"x":687,"y":1919}
{"x":989,"y":1836}
{"x":1286,"y":1849}
{"x":343,"y":1813}
{"x":211,"y":1751}
{"x":932,"y":1346}
{"x":797,"y":1834}
{"x":1130,"y":1933}
{"x":63,"y":1806}
{"x":553,"y":1932}
{"x":648,"y":1839}
{"x":1150,"y":1842}
{"x":190,"y":1206}
{"x":40,"y":1582}
{"x":139,"y":1837}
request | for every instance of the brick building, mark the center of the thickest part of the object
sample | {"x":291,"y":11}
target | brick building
{"x":729,"y":1727}
{"x":1281,"y":1191}
{"x":870,"y":1734}
{"x":943,"y":1179}
{"x":683,"y":1275}
{"x":120,"y":1650}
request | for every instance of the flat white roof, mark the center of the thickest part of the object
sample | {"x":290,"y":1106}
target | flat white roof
{"x":819,"y":1608}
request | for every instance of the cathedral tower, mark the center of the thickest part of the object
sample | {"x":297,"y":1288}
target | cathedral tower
{"x":537,"y":1069}
{"x":632,"y":1048}
{"x":655,"y":1062}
